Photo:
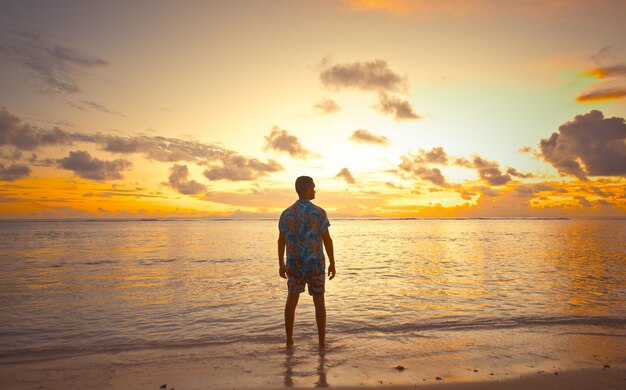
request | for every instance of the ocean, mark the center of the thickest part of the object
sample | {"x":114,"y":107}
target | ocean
{"x":417,"y":291}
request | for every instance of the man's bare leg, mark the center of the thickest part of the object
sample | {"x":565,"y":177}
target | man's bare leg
{"x":320,"y":318}
{"x":290,"y":314}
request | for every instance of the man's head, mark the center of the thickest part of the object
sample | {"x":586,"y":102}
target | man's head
{"x":305,"y":187}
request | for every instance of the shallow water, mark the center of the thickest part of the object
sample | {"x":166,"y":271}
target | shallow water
{"x":405,"y":289}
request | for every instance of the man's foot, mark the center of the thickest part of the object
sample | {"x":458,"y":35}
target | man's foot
{"x":289,"y":344}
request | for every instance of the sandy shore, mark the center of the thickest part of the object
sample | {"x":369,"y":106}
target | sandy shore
{"x":190,"y":369}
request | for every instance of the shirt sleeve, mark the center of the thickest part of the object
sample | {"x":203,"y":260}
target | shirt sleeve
{"x":282,"y":224}
{"x":324,"y":223}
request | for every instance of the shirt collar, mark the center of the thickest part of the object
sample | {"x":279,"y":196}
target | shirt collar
{"x":304,"y":200}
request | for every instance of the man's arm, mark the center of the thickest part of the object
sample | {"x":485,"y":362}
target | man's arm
{"x":328,"y":244}
{"x":281,"y":255}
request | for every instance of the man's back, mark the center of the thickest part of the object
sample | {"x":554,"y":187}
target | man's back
{"x":303,"y":225}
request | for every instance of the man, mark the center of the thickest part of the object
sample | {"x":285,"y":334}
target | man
{"x":302,"y":229}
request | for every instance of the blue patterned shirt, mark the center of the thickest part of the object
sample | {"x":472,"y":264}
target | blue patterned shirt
{"x":303,"y":224}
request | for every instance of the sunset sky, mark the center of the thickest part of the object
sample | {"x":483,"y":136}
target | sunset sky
{"x":141,"y":109}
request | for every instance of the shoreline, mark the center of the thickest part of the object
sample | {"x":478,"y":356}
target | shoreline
{"x":203,"y":368}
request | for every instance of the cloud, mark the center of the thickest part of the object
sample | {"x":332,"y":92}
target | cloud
{"x":155,"y":147}
{"x":414,"y":167}
{"x":366,"y":137}
{"x":282,"y":141}
{"x":237,"y":168}
{"x":490,"y":172}
{"x":608,"y":71}
{"x":14,"y":172}
{"x":87,"y":105}
{"x":437,"y":155}
{"x":53,"y":68}
{"x":608,"y":93}
{"x":345,"y":174}
{"x":365,"y":76}
{"x":607,"y":53}
{"x":327,"y":106}
{"x":88,"y":167}
{"x":463,"y":8}
{"x":514,"y":172}
{"x":179,"y":180}
{"x":401,"y":109}
{"x":525,"y":149}
{"x":589,"y":145}
{"x":26,"y":137}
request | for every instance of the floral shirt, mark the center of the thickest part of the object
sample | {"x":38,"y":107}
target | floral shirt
{"x":303,"y":225}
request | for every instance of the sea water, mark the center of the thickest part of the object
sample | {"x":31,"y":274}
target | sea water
{"x":416,"y":290}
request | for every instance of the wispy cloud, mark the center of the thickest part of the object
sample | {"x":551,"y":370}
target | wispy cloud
{"x":281,"y":141}
{"x":366,"y":137}
{"x":609,"y":93}
{"x":50,"y":66}
{"x":87,"y":105}
{"x":589,"y":145}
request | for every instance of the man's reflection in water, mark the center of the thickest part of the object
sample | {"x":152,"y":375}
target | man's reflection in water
{"x":321,"y":369}
{"x":288,"y":368}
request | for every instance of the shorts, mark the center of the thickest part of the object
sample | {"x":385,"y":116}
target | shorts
{"x":295,"y":284}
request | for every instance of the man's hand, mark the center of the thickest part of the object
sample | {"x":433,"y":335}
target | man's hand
{"x":282,"y":271}
{"x":331,"y":271}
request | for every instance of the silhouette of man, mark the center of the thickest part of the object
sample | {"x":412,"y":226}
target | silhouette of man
{"x":302,"y":229}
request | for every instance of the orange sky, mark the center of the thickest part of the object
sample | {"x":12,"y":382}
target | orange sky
{"x":396,"y":108}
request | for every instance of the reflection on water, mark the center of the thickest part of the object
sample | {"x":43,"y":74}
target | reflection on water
{"x":90,"y":285}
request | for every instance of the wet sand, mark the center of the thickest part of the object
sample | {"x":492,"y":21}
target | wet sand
{"x":191,"y":369}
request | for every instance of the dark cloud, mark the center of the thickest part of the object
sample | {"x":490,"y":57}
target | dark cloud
{"x":589,"y":145}
{"x":514,"y":172}
{"x":14,"y":172}
{"x":345,"y":174}
{"x":527,"y":190}
{"x":400,"y":109}
{"x":437,"y":155}
{"x":609,"y":71}
{"x":26,"y":137}
{"x":282,"y":141}
{"x":237,"y":168}
{"x":327,"y":106}
{"x":179,"y":180}
{"x":52,"y":68}
{"x":366,"y":137}
{"x":366,"y":76}
{"x":490,"y":172}
{"x":603,"y":55}
{"x":156,"y":148}
{"x":414,"y":167}
{"x":609,"y":93}
{"x":88,"y":167}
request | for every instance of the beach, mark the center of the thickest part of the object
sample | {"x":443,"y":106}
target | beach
{"x":195,"y":304}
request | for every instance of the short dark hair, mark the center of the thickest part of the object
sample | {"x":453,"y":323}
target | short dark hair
{"x":302,"y":183}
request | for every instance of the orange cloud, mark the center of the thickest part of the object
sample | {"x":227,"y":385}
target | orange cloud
{"x":462,"y":7}
{"x":603,"y":94}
